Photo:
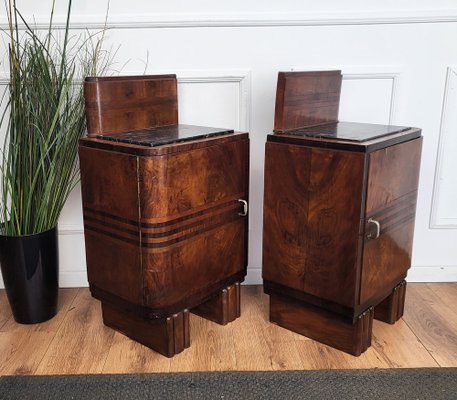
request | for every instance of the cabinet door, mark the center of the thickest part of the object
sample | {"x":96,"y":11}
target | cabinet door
{"x":111,"y":230}
{"x":192,"y":234}
{"x":312,"y":213}
{"x":391,"y":202}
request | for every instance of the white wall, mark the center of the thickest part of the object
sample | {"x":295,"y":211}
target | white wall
{"x":399,"y":60}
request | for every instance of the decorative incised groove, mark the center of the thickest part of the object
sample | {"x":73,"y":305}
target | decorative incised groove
{"x":111,"y":235}
{"x":203,"y":229}
{"x":188,"y":222}
{"x":391,"y":309}
{"x":212,"y":220}
{"x":397,"y":223}
{"x":366,"y":328}
{"x":111,"y":226}
{"x":223,"y":308}
{"x":162,"y":237}
{"x":90,"y":221}
{"x":114,"y":220}
{"x":178,"y":332}
{"x":408,"y":200}
{"x":103,"y":215}
{"x":396,"y":214}
{"x":194,"y":212}
{"x":399,"y":214}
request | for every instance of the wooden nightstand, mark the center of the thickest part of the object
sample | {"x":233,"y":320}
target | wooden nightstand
{"x":164,"y":210}
{"x":339,"y":210}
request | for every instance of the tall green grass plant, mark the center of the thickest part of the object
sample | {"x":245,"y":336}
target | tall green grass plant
{"x":44,"y":119}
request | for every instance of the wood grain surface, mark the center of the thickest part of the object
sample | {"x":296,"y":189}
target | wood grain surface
{"x":326,"y":327}
{"x":76,"y":341}
{"x":393,"y":177}
{"x":431,"y":313}
{"x":338,"y":225}
{"x":385,"y":183}
{"x":311,"y":220}
{"x":306,"y":99}
{"x":164,"y":230}
{"x":123,"y":103}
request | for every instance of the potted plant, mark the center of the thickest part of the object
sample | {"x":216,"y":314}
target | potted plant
{"x":43,"y":119}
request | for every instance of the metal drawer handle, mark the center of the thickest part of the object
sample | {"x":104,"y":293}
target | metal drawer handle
{"x":378,"y":229}
{"x":245,"y":208}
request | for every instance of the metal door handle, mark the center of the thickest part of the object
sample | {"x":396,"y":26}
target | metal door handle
{"x":245,"y":208}
{"x":378,"y":228}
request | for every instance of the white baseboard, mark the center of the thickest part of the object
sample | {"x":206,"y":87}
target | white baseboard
{"x":66,"y":279}
{"x":415,"y":274}
{"x":253,"y":277}
{"x":73,"y":279}
{"x":448,"y":273}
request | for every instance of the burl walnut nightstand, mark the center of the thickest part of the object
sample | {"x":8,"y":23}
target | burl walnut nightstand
{"x":339,"y":210}
{"x":164,"y":210}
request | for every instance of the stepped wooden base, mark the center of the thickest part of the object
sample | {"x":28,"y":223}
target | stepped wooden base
{"x":167,"y":336}
{"x":333,"y":329}
{"x":391,"y":309}
{"x":324,"y":326}
{"x":170,"y":336}
{"x":223,"y":308}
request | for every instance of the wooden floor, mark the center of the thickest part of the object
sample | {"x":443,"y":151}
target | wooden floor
{"x":76,"y":341}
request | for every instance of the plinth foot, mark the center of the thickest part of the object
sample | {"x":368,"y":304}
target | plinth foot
{"x":391,"y":309}
{"x":167,"y":336}
{"x":223,"y":308}
{"x":324,"y":326}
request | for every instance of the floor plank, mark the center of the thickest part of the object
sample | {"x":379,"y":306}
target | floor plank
{"x":447,"y":293}
{"x":251,"y":347}
{"x":282,"y":343}
{"x":82,"y":342}
{"x":76,"y":341}
{"x":433,"y":319}
{"x":319,"y":356}
{"x":127,"y":355}
{"x":5,"y":309}
{"x":65,"y":302}
{"x":211,"y":348}
{"x":399,"y":347}
{"x":22,"y":347}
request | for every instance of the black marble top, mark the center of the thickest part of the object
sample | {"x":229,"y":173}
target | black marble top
{"x":350,"y":131}
{"x":160,"y":136}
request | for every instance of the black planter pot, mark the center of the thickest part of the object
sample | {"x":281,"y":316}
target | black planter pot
{"x":30,"y":269}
